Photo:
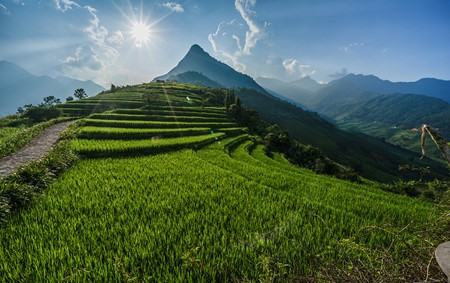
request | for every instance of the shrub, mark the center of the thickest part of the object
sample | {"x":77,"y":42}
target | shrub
{"x":43,"y":113}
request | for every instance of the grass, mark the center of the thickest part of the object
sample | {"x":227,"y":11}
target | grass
{"x":99,"y":148}
{"x":195,"y":217}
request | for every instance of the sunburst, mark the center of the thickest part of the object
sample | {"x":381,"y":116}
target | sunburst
{"x":141,"y":33}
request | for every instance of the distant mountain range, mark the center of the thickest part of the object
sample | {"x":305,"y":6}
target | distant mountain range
{"x":372,"y":157}
{"x":19,"y":87}
{"x":357,"y":99}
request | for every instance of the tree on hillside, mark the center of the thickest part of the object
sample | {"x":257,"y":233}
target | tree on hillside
{"x":80,"y":93}
{"x":70,"y":98}
{"x":50,"y":101}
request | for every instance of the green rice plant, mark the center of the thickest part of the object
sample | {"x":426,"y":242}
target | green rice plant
{"x":154,"y":124}
{"x":166,"y":112}
{"x":101,"y":148}
{"x":113,"y":116}
{"x":90,"y":132}
{"x":192,"y":216}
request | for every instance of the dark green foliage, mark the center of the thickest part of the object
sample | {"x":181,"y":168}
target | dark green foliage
{"x":50,"y":101}
{"x":80,"y":93}
{"x":69,"y":98}
{"x":434,"y":191}
{"x":42,"y":113}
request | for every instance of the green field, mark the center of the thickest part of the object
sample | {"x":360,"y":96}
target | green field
{"x":206,"y":202}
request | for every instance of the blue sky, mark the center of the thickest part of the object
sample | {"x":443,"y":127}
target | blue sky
{"x":127,"y":41}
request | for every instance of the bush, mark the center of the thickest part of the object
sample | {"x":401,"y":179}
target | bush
{"x":43,"y":113}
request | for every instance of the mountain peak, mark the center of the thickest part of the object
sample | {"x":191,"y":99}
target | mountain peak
{"x":199,"y":61}
{"x":196,"y":49}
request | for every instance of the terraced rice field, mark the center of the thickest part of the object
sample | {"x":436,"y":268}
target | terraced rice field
{"x":196,"y":199}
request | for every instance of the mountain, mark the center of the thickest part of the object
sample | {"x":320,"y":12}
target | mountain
{"x":392,"y":117}
{"x":194,"y":78}
{"x":19,"y":87}
{"x":398,"y":110}
{"x":371,"y":157}
{"x":199,"y":61}
{"x":300,"y":91}
{"x":358,"y":88}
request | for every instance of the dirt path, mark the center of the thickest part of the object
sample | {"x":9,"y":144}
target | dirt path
{"x":35,"y":149}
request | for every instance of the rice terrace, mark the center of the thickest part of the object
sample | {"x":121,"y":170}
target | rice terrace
{"x":174,"y":190}
{"x":225,"y":141}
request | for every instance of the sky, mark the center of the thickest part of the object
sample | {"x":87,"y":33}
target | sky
{"x":133,"y":41}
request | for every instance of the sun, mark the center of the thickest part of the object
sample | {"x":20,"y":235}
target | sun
{"x":141,"y":32}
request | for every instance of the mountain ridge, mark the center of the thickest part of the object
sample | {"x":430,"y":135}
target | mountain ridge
{"x":19,"y":87}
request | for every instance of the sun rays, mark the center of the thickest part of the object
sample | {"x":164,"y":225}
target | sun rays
{"x":141,"y":33}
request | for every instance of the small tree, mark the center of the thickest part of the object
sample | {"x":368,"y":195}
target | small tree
{"x":80,"y":93}
{"x":70,"y":98}
{"x":50,"y":101}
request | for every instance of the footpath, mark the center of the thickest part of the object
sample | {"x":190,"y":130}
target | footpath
{"x":36,"y":149}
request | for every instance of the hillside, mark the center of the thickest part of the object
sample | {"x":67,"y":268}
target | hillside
{"x":371,"y":157}
{"x":194,"y":78}
{"x":300,"y":91}
{"x":173,"y":190}
{"x":403,"y":111}
{"x":19,"y":87}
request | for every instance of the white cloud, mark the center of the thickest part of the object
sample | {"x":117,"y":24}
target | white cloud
{"x":4,"y":10}
{"x":84,"y":58}
{"x":174,"y":7}
{"x":65,"y":5}
{"x":116,"y":38}
{"x":235,"y":40}
{"x":93,"y":60}
{"x":295,"y":69}
{"x":255,"y":32}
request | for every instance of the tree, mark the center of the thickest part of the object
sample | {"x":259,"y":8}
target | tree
{"x":80,"y":93}
{"x":50,"y":101}
{"x":70,"y":98}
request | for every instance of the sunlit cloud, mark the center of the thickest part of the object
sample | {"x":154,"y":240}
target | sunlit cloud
{"x":174,"y":7}
{"x":84,"y":57}
{"x":91,"y":60}
{"x":295,"y":69}
{"x":65,"y":5}
{"x":116,"y":38}
{"x":234,"y":40}
{"x":255,"y":32}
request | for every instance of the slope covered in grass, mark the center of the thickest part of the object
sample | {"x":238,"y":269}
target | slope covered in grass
{"x":221,"y":210}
